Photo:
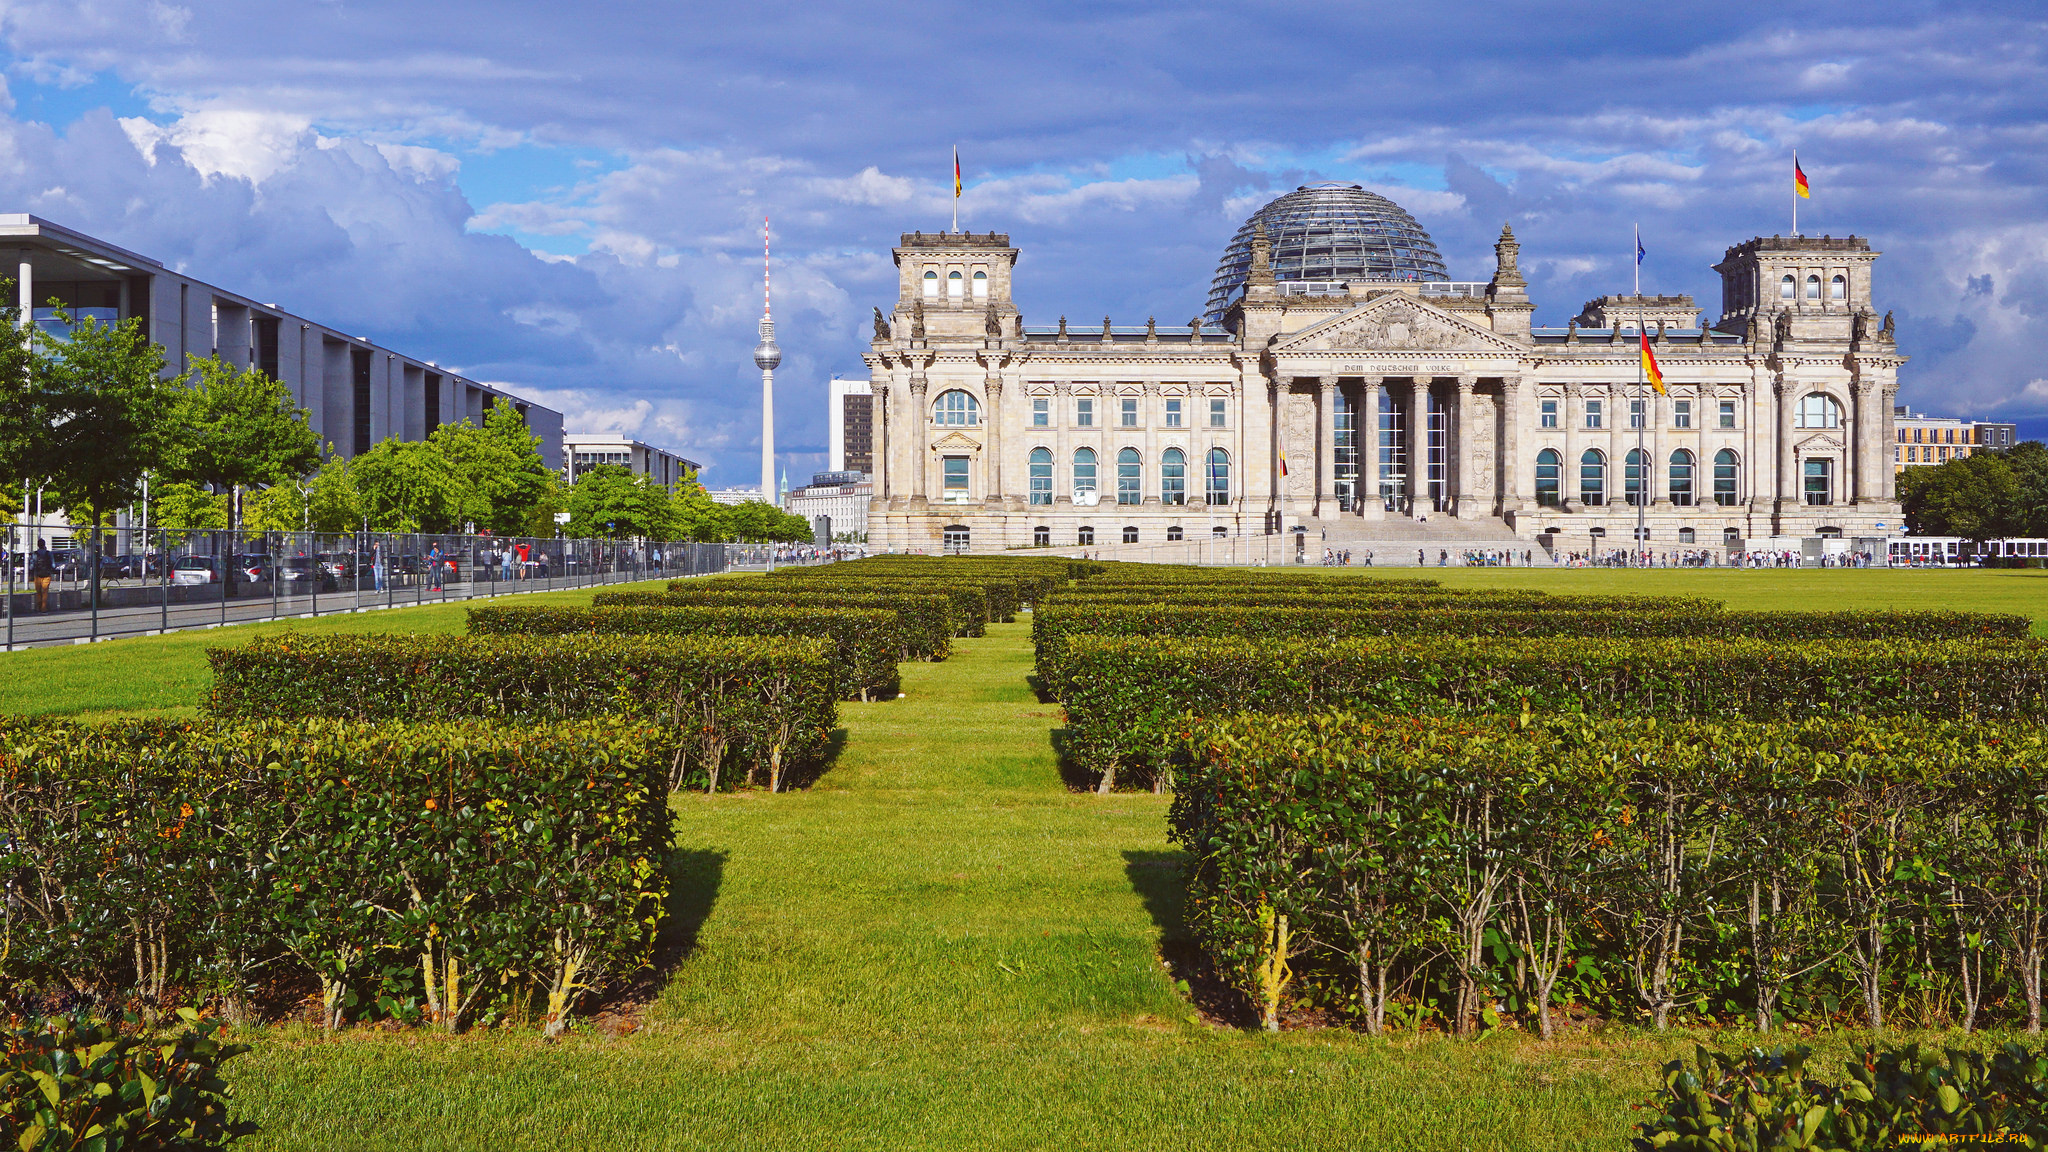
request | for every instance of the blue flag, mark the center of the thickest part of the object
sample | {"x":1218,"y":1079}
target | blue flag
{"x":1639,"y":248}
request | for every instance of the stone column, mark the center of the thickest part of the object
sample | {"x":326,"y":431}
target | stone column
{"x":1150,"y":412}
{"x":920,"y":433}
{"x":1568,"y":468}
{"x":1887,"y":397}
{"x":1511,"y":464}
{"x":992,"y":444}
{"x":1062,"y":447}
{"x":27,"y":287}
{"x":1464,"y":494}
{"x":1788,"y":464}
{"x":1656,"y":473}
{"x":879,"y":419}
{"x":1869,"y":427}
{"x":1365,"y":435}
{"x":1418,"y":444}
{"x":1326,"y":447}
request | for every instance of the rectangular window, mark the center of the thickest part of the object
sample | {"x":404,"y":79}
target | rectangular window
{"x":956,"y":479}
{"x":1681,"y":413}
{"x":1084,"y":412}
{"x":1085,"y":534}
{"x":1173,"y":412}
{"x":1593,"y":413}
{"x":1550,"y":413}
{"x":1820,"y":482}
{"x":1635,"y":413}
{"x":1041,"y":412}
{"x":1916,"y":435}
{"x":1041,"y":537}
{"x":1127,"y":412}
{"x":1727,"y":413}
{"x":1217,"y":413}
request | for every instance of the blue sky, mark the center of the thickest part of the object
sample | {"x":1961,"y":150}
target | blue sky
{"x":567,"y":199}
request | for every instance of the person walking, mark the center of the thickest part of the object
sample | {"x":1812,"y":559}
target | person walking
{"x":434,"y":562}
{"x":41,"y":567}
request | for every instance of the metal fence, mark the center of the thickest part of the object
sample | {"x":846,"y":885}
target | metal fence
{"x":159,"y":580}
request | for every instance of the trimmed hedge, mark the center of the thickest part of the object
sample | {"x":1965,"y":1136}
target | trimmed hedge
{"x":925,"y":620}
{"x":863,"y":639}
{"x":1052,"y":625}
{"x":96,"y":1083}
{"x":969,"y":605}
{"x":447,"y":872}
{"x":752,"y":704}
{"x":1127,"y":697}
{"x":1437,"y":868}
{"x":1004,"y":596}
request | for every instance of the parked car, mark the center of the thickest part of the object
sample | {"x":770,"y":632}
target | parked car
{"x":196,"y":570}
{"x":300,"y":572}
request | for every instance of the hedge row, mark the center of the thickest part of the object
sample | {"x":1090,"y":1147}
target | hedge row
{"x":1061,"y":619}
{"x":1431,"y":868}
{"x":738,"y":706}
{"x":968,"y":605}
{"x":925,"y":621}
{"x":864,"y":640}
{"x":1004,"y":596}
{"x":452,"y":873}
{"x":1127,"y":697}
{"x":65,"y":1077}
{"x":1526,"y":601}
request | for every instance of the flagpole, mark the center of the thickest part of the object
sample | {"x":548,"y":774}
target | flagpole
{"x":1642,"y":457}
{"x":956,"y":191}
{"x":1795,"y":193}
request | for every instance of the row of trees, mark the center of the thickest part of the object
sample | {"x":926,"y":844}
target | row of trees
{"x":1983,"y":496}
{"x":92,"y":420}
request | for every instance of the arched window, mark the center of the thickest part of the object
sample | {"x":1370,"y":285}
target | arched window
{"x":1130,"y":533}
{"x":1216,"y":477}
{"x":1681,"y":478}
{"x":1173,"y":533}
{"x":981,"y":285}
{"x":1085,"y":534}
{"x":1632,"y":469}
{"x":1788,"y":289}
{"x":1838,"y":288}
{"x":1686,"y":536}
{"x":1084,"y":475}
{"x":1129,"y":479}
{"x":1173,"y":477}
{"x":1813,"y":287}
{"x":1547,"y":464}
{"x":1041,"y":475}
{"x":931,"y":285}
{"x":1593,"y":478}
{"x":1041,"y":536}
{"x":1819,"y":410}
{"x":956,"y":409}
{"x":1725,"y":475}
{"x":954,"y":285}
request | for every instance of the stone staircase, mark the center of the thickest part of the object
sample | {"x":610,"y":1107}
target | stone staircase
{"x":1395,"y":540}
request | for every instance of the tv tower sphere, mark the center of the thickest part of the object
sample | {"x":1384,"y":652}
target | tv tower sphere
{"x":766,"y":355}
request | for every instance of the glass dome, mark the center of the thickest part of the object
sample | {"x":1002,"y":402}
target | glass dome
{"x":1329,"y":233}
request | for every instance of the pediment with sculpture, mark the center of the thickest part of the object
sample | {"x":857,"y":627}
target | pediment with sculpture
{"x":1395,"y":323}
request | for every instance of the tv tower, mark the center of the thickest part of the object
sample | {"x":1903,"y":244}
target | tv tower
{"x":766,"y":357}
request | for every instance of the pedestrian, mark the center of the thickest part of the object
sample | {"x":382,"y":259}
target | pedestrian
{"x":434,"y":569}
{"x":41,"y":567}
{"x":525,"y":550}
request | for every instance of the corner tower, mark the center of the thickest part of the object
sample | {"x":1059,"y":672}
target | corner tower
{"x":1821,"y":283}
{"x":953,"y":281}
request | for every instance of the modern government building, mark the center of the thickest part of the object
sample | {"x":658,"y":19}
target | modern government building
{"x":1341,"y":384}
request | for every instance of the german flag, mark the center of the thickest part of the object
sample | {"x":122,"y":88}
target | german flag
{"x":1651,"y":372}
{"x":1799,"y":179}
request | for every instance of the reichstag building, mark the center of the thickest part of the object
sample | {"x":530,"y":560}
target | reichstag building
{"x":1342,"y":383}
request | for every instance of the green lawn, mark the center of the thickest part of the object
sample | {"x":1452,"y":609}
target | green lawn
{"x":938,"y":946}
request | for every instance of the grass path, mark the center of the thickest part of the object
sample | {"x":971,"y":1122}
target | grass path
{"x":938,"y":946}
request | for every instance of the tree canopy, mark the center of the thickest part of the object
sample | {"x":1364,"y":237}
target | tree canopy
{"x":1983,"y":496}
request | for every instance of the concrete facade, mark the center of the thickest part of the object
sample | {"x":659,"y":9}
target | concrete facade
{"x":585,"y":450}
{"x":849,"y":426}
{"x":1340,"y":408}
{"x":356,"y":391}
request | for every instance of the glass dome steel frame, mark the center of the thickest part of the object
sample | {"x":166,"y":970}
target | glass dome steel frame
{"x":1328,"y":233}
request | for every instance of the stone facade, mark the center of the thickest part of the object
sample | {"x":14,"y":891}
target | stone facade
{"x":1346,"y":406}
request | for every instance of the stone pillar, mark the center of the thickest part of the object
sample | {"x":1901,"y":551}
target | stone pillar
{"x":1511,"y":463}
{"x":1863,"y":450}
{"x":920,"y":434}
{"x":1150,"y":412}
{"x":1788,"y":463}
{"x":1062,"y":446}
{"x":1326,"y":447}
{"x":1887,"y":397}
{"x":1418,"y":444}
{"x":27,"y":285}
{"x":1365,"y":434}
{"x":1568,"y":468}
{"x":1656,"y":471}
{"x":879,"y":417}
{"x":1464,"y":493}
{"x":992,"y":443}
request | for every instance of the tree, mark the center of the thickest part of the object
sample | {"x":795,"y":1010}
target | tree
{"x":333,"y":502}
{"x":755,"y":521}
{"x":179,"y":506}
{"x":278,"y":508}
{"x":696,"y":515}
{"x":501,"y":478}
{"x":240,"y":429}
{"x":610,"y":501}
{"x":407,"y":487}
{"x":1974,"y":497}
{"x":101,"y":414}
